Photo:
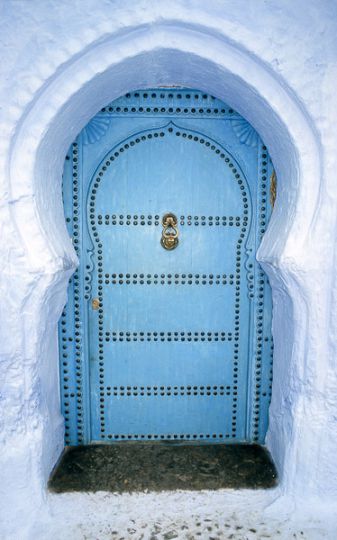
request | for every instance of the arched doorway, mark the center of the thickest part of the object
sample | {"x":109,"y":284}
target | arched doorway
{"x":46,"y":126}
{"x":167,"y":331}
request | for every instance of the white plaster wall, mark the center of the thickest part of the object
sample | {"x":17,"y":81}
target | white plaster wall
{"x":275,"y":62}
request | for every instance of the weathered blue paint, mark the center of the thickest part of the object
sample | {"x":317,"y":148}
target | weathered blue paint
{"x":180,"y":347}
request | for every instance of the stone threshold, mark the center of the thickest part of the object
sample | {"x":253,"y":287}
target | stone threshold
{"x":162,"y":466}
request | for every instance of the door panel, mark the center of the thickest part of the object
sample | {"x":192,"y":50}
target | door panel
{"x":180,"y":345}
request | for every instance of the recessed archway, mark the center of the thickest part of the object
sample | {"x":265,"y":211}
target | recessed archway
{"x":219,"y":396}
{"x":165,"y":55}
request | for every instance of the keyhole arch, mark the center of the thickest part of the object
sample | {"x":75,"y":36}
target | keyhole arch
{"x":68,"y":99}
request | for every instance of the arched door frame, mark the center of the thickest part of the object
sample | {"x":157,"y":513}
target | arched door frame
{"x":166,"y":54}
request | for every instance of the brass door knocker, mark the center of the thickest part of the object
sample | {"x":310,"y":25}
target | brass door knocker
{"x":169,"y":238}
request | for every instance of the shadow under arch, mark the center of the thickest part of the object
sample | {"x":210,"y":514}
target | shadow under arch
{"x":163,"y":55}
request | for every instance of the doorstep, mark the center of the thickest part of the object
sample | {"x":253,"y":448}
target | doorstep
{"x":162,"y":466}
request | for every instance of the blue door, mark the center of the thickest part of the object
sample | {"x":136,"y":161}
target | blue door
{"x":167,"y":330}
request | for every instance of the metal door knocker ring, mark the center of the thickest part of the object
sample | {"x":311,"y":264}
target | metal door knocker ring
{"x":169,"y":238}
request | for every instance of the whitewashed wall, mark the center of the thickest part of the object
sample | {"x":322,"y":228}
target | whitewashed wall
{"x":275,"y":62}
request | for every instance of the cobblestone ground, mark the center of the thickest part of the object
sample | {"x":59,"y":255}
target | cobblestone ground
{"x":233,"y":526}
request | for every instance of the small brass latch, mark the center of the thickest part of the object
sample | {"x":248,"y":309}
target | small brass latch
{"x":95,"y":303}
{"x":273,"y":189}
{"x":169,"y":238}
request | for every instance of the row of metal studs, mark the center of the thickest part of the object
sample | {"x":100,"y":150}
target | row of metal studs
{"x":168,"y":336}
{"x":237,"y":329}
{"x":70,"y":390}
{"x":100,"y":336}
{"x":168,"y":436}
{"x":65,"y":373}
{"x":262,"y":206}
{"x":196,"y":99}
{"x":167,"y":110}
{"x":67,"y":384}
{"x":155,"y":220}
{"x":167,"y":279}
{"x":271,"y":354}
{"x":259,"y":325}
{"x":208,"y":387}
{"x":168,"y":94}
{"x":77,"y":295}
{"x":170,"y":276}
{"x":169,"y":391}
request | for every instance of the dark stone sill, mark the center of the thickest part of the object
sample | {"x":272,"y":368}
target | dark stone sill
{"x":162,"y":466}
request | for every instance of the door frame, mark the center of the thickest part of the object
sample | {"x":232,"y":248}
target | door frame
{"x":195,"y":57}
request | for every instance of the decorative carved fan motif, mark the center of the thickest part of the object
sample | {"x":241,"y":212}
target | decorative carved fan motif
{"x":96,"y":129}
{"x":245,"y":132}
